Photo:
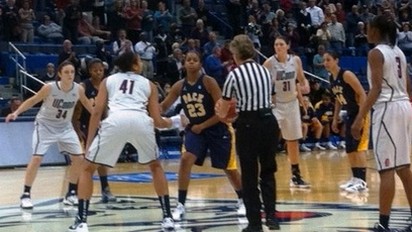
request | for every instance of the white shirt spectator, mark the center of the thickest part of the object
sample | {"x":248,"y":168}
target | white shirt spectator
{"x":316,"y":15}
{"x":145,"y":50}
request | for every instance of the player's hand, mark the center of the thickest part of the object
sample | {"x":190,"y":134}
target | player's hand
{"x":356,"y":129}
{"x":10,"y":117}
{"x":218,"y":108}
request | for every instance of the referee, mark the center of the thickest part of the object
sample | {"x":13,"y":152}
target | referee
{"x":256,"y":131}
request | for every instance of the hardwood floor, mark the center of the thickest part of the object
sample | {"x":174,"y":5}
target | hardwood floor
{"x":212,"y":202}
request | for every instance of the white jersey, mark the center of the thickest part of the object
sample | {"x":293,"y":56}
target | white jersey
{"x":57,"y":109}
{"x":284,"y":77}
{"x":127,"y":91}
{"x":394,"y":75}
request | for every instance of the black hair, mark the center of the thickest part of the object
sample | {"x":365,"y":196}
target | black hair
{"x":284,"y":38}
{"x":126,"y":61}
{"x":93,"y":61}
{"x":197,"y":54}
{"x":335,"y":55}
{"x":386,"y":27}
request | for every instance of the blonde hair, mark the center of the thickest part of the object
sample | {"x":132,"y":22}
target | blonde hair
{"x":242,"y":47}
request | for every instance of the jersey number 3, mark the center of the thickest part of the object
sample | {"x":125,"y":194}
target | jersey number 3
{"x":127,"y":86}
{"x":399,"y":67}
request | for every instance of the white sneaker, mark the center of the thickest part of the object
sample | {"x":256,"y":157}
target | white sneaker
{"x":179,"y":213}
{"x":342,"y":145}
{"x":71,"y":199}
{"x":241,"y":209}
{"x":319,"y":147}
{"x":168,"y":224}
{"x":304,"y":148}
{"x":347,"y":183}
{"x":331,"y":146}
{"x":78,"y":226}
{"x":25,"y":201}
{"x":358,"y":186}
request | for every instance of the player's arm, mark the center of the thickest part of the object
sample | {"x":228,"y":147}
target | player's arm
{"x":173,"y":95}
{"x":375,"y":59}
{"x":303,"y":82}
{"x":78,"y":109}
{"x":29,"y":103}
{"x":350,"y":78}
{"x":84,"y":100}
{"x":154,"y":109}
{"x":97,"y":112}
{"x":214,"y":90}
{"x":222,"y":105}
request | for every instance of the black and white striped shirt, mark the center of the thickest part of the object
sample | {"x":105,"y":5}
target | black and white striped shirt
{"x":251,"y":84}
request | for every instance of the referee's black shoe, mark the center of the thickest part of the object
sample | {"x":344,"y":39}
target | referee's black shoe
{"x":272,"y":223}
{"x":249,"y":228}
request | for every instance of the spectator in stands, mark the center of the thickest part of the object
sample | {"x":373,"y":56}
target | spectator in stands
{"x":200,"y":32}
{"x":310,"y":123}
{"x":293,"y":36}
{"x":265,"y":20}
{"x":99,"y":10}
{"x":133,"y":16}
{"x":50,"y":31}
{"x":282,"y":20}
{"x":175,"y":66}
{"x":148,"y":21}
{"x":323,"y":4}
{"x":89,"y":34}
{"x":365,"y":15}
{"x":214,"y":67}
{"x":163,"y":17}
{"x":208,"y":47}
{"x":188,"y":17}
{"x":405,"y":39}
{"x":68,"y":54}
{"x":202,"y":12}
{"x":323,"y":35}
{"x":304,"y":24}
{"x":50,"y":73}
{"x":254,"y":31}
{"x":253,"y":8}
{"x":361,"y":41}
{"x":122,"y":44}
{"x":176,"y":33}
{"x":316,"y":15}
{"x":337,"y":32}
{"x":190,"y":45}
{"x":115,"y":17}
{"x":146,"y":51}
{"x":162,"y":42}
{"x":352,"y":19}
{"x":14,"y":103}
{"x":328,"y":14}
{"x":235,"y":15}
{"x":72,"y":16}
{"x":274,"y":32}
{"x":104,"y":56}
{"x":318,"y":67}
{"x":11,"y":21}
{"x":26,"y":16}
{"x":340,"y":13}
{"x":324,"y":111}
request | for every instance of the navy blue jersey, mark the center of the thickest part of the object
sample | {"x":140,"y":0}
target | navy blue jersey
{"x":344,"y":93}
{"x":91,"y":92}
{"x":197,"y":102}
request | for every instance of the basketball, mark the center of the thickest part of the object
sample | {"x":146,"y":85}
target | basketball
{"x":231,"y":113}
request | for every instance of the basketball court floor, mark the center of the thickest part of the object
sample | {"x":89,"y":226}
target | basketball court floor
{"x":211,"y":205}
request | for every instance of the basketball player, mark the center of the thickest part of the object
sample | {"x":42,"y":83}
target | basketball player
{"x":81,"y":119}
{"x":287,"y":75}
{"x":198,"y":93}
{"x":349,"y":93}
{"x":389,"y":96}
{"x":133,"y":112}
{"x":53,"y":125}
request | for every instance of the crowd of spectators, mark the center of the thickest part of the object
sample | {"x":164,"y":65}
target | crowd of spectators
{"x":163,"y":31}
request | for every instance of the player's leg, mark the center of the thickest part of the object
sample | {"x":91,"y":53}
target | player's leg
{"x":317,"y":128}
{"x":74,"y":171}
{"x":107,"y":196}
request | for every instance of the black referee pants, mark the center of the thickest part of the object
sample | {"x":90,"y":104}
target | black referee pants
{"x":256,"y":142}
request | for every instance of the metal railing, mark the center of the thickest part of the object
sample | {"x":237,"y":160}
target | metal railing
{"x":306,"y":72}
{"x":24,"y":75}
{"x":20,"y":61}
